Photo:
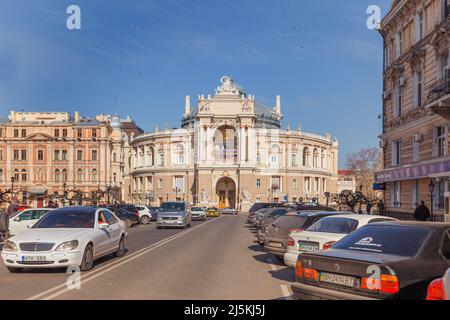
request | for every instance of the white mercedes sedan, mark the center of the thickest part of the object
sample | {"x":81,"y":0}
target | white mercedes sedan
{"x":70,"y":236}
{"x":324,"y":233}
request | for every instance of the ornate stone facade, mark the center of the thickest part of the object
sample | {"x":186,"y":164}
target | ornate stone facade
{"x":231,"y":151}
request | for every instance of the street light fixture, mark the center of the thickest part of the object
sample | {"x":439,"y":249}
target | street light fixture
{"x":431,"y":188}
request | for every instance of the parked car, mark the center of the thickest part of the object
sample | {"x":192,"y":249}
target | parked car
{"x":324,"y":233}
{"x":174,"y":214}
{"x":154,"y":211}
{"x":256,"y":215}
{"x":232,"y":211}
{"x":130,"y":218}
{"x":198,"y":213}
{"x":276,"y":236}
{"x":212,"y":212}
{"x":145,"y":215}
{"x":25,"y":219}
{"x":66,"y":237}
{"x":388,"y":260}
{"x":258,"y":206}
{"x":439,"y":289}
{"x":268,"y":218}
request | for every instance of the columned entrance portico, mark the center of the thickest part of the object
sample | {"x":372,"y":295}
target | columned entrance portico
{"x":226,"y":193}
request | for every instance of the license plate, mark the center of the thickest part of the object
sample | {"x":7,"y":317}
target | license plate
{"x":337,"y":279}
{"x":275,"y":244}
{"x":33,"y":258}
{"x":307,"y":247}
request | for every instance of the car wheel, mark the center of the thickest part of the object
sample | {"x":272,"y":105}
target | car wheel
{"x":14,"y":270}
{"x":128,"y":223}
{"x":145,"y":219}
{"x":121,"y":250}
{"x":88,"y":258}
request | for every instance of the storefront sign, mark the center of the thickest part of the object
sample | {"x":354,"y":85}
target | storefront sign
{"x":414,"y":172}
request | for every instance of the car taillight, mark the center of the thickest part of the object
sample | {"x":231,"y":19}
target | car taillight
{"x":290,"y":242}
{"x":299,"y":269}
{"x":388,"y":284}
{"x":436,"y":290}
{"x":305,"y":273}
{"x":296,"y":230}
{"x":328,"y":245}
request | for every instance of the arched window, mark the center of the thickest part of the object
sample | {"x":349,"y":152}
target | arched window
{"x":315,"y":158}
{"x":305,"y":156}
{"x":180,"y":154}
{"x":24,"y":175}
{"x":64,"y":175}
{"x":57,"y":175}
{"x":274,"y":153}
{"x":94,"y":175}
{"x":322,"y":159}
{"x":16,"y":175}
{"x":80,"y":175}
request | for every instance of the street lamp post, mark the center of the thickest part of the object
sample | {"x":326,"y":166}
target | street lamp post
{"x":12,"y":186}
{"x":431,"y":188}
{"x":64,"y":194}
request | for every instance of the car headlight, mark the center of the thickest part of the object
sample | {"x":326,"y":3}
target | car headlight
{"x":67,"y":246}
{"x":9,"y":246}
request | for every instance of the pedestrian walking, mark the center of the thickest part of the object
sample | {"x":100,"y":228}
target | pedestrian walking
{"x":422,"y":213}
{"x":369,"y":207}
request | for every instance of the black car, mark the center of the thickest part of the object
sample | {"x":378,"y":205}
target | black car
{"x":258,"y":206}
{"x":277,"y":233}
{"x":130,"y":218}
{"x":386,"y":260}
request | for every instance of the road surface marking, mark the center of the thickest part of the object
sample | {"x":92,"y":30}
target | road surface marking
{"x":111,"y":266}
{"x":287,"y":294}
{"x":272,"y":264}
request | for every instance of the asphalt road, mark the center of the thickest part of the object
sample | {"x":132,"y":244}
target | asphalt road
{"x":218,"y":259}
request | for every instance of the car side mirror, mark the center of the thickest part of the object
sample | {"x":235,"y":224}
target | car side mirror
{"x":103,"y":226}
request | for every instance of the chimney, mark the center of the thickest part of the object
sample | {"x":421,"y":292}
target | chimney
{"x":187,"y":108}
{"x":77,"y":116}
{"x":278,"y":106}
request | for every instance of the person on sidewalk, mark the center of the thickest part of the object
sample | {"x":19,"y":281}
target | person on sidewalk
{"x":380,"y":206}
{"x":422,"y":213}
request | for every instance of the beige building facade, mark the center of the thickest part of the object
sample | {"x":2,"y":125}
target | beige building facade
{"x":231,"y":152}
{"x":416,"y":106}
{"x":46,"y":156}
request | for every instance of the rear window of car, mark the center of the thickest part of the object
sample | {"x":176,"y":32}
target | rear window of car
{"x":290,"y":221}
{"x":277,"y":212}
{"x":396,"y":240}
{"x":257,"y":206}
{"x":334,"y":225}
{"x":197,"y":209}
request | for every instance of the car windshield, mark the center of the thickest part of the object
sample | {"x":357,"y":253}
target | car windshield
{"x":290,"y":222}
{"x":172,"y":207}
{"x":67,"y":219}
{"x":334,"y":225}
{"x":388,"y":239}
{"x":196,"y":209}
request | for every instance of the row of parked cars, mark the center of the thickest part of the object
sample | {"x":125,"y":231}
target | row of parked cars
{"x":341,"y":255}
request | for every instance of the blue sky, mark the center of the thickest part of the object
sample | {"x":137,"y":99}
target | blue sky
{"x":318,"y":55}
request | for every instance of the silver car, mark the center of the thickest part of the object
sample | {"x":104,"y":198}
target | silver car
{"x":174,"y":215}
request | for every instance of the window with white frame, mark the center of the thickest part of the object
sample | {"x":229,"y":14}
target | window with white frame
{"x":440,"y":145}
{"x":398,"y":101}
{"x":396,"y":153}
{"x":149,"y":183}
{"x":399,"y":44}
{"x":178,"y":183}
{"x":439,"y":194}
{"x":444,"y":66}
{"x":418,"y":88}
{"x":416,"y":150}
{"x":419,"y":27}
{"x":395,"y":195}
{"x":294,"y":159}
{"x":160,"y":183}
{"x":276,"y":184}
{"x":294,"y":184}
{"x":258,"y":183}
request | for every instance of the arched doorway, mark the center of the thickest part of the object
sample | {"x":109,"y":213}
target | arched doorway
{"x":226,"y":193}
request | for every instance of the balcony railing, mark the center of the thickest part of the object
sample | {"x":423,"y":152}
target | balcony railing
{"x":437,"y":90}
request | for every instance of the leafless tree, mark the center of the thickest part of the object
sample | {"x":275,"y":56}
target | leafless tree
{"x":365,"y":163}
